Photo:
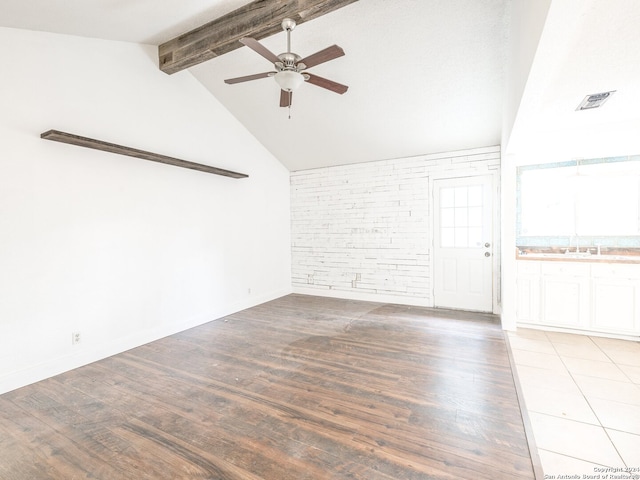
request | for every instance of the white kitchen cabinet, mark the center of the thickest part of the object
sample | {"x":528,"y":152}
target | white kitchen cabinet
{"x":615,"y":291}
{"x":598,"y":297}
{"x":565,"y":294}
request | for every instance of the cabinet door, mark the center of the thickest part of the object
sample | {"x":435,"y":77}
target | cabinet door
{"x":565,"y":301}
{"x":528,"y":305}
{"x":615,"y":305}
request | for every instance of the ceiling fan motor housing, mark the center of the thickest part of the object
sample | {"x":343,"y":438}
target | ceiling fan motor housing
{"x":290,"y":61}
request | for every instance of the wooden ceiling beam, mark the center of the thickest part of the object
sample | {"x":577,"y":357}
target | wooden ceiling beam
{"x":258,"y":19}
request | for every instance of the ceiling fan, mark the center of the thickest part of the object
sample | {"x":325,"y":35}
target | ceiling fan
{"x":289,"y":66}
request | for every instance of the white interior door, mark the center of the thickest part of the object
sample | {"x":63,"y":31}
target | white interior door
{"x":463,"y":243}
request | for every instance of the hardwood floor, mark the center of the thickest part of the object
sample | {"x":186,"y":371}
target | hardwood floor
{"x":298,"y":388}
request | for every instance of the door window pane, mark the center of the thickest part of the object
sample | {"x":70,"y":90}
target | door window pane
{"x":475,"y":196}
{"x":446,"y":197}
{"x":447,"y":217}
{"x":462,"y":219}
{"x":475,"y":216}
{"x":460,"y":196}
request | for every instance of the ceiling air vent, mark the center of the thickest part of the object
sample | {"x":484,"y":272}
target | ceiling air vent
{"x":594,"y":101}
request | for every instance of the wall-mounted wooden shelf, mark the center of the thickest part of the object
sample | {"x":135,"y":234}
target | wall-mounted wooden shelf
{"x":71,"y":139}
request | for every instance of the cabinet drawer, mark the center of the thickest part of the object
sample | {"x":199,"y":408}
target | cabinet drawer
{"x":573,"y":269}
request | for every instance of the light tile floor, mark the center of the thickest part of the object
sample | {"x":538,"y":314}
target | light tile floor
{"x":582,"y":394}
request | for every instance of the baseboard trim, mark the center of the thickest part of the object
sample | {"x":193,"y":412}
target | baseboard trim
{"x":85,"y":356}
{"x":365,"y":296}
{"x":575,"y":331}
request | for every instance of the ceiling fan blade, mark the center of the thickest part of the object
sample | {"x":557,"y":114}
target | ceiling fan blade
{"x":328,"y":84}
{"x":260,"y":49}
{"x":329,"y":53}
{"x":247,"y":78}
{"x":286,"y":98}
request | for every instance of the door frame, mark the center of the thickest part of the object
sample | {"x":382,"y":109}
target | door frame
{"x":494,"y":176}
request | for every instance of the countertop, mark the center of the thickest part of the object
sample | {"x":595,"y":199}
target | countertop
{"x":556,"y":255}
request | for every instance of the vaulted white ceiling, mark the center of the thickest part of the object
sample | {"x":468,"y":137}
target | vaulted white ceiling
{"x":424,"y":76}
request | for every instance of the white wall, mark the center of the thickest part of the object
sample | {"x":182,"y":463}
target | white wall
{"x":364,"y":231}
{"x":123,"y":250}
{"x":527,"y":20}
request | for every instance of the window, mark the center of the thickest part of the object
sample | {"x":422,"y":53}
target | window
{"x":597,"y":200}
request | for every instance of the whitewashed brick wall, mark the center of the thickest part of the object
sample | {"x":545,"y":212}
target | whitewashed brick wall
{"x":363,"y":231}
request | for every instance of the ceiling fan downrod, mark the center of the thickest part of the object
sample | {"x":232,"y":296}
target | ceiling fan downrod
{"x":288,"y":25}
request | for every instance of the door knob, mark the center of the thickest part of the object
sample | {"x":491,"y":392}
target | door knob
{"x":487,"y":254}
{"x":487,"y":245}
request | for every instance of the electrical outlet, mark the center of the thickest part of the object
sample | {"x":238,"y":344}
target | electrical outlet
{"x":75,"y":338}
{"x":249,"y":291}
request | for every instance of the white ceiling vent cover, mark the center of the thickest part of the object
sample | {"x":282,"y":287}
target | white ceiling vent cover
{"x":594,"y":101}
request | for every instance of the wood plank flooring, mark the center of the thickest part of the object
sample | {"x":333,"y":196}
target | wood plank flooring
{"x":299,"y":388}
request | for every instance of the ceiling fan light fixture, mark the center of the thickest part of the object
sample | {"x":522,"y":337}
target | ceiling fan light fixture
{"x":289,"y":80}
